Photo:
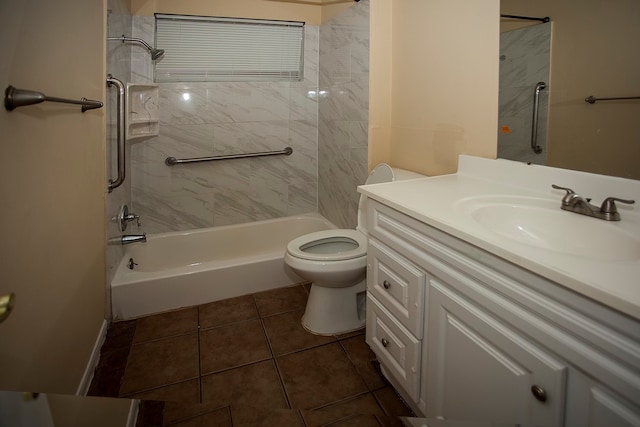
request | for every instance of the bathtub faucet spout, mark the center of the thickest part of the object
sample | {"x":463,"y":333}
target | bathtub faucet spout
{"x":125,"y":239}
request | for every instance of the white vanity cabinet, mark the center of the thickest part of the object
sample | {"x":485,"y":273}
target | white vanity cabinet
{"x":463,"y":334}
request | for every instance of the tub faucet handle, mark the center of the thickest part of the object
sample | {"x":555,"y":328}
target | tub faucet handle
{"x":124,"y":218}
{"x":133,"y":217}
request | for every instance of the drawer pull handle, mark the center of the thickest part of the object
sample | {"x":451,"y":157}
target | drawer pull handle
{"x":386,"y":284}
{"x":385,"y":342}
{"x":539,"y":393}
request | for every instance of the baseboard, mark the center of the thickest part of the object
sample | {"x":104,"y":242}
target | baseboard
{"x":85,"y":382}
{"x":133,"y":413}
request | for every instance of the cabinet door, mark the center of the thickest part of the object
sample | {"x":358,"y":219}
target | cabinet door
{"x":591,"y":404}
{"x":481,"y":370}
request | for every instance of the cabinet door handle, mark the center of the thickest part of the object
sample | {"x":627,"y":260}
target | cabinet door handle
{"x":385,"y":342}
{"x":539,"y":393}
{"x":386,"y":284}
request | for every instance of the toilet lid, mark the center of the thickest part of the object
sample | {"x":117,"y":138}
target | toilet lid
{"x":345,"y":244}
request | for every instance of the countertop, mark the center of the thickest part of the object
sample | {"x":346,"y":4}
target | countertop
{"x":443,"y":203}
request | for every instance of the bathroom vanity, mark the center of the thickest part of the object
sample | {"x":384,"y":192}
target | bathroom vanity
{"x":487,"y":302}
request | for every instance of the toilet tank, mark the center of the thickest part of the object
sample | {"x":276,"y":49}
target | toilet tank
{"x":380,"y":174}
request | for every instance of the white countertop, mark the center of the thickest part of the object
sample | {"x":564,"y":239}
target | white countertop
{"x":442,"y":202}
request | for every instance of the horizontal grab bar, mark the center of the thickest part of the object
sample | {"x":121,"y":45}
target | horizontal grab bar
{"x":527,"y":18}
{"x":171,"y":161}
{"x":592,"y":99}
{"x":14,"y":97}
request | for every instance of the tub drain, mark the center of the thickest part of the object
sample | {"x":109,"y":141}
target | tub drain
{"x":131,"y":264}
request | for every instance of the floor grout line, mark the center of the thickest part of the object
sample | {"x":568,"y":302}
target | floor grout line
{"x":199,"y":360}
{"x":279,"y":300}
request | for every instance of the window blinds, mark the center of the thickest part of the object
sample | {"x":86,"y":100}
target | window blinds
{"x":227,"y":49}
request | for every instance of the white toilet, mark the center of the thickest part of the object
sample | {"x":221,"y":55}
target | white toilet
{"x":335,"y":262}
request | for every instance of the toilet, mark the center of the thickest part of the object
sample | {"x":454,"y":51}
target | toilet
{"x":335,"y":263}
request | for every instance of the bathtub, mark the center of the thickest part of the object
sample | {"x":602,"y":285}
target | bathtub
{"x":182,"y":269}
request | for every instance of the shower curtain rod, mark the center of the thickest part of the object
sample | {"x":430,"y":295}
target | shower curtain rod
{"x":526,"y":18}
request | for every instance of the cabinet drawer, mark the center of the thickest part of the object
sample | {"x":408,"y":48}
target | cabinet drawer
{"x":395,"y":347}
{"x":398,"y":284}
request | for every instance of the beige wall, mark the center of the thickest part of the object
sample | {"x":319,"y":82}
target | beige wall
{"x":594,"y":51}
{"x":310,"y":11}
{"x":434,"y":82}
{"x":53,"y":185}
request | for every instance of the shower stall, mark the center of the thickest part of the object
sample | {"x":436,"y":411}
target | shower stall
{"x":323,"y":118}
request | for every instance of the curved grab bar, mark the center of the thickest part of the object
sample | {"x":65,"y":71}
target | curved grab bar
{"x":111,"y":81}
{"x":534,"y":122}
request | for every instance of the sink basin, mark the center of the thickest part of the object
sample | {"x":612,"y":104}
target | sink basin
{"x":541,"y":223}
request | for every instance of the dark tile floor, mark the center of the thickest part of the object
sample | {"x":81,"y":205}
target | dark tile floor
{"x":244,"y":361}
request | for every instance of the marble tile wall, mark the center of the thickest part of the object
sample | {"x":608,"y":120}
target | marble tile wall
{"x":119,"y":65}
{"x":343,"y":113}
{"x":205,"y":119}
{"x":524,"y":61}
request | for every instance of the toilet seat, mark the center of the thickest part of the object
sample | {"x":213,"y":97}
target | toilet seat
{"x":352,"y":244}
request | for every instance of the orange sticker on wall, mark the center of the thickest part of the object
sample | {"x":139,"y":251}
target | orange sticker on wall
{"x":505,"y":129}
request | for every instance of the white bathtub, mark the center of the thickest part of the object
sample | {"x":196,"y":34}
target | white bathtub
{"x":182,"y":269}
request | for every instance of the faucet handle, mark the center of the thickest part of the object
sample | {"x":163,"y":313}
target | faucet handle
{"x":568,"y":196}
{"x":609,"y":206}
{"x":133,"y":217}
{"x":568,"y":190}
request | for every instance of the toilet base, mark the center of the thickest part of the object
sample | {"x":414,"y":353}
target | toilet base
{"x":333,"y":311}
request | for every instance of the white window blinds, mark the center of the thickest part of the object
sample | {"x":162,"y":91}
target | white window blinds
{"x":227,"y":49}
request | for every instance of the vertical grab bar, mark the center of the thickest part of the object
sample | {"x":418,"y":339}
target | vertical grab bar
{"x":534,"y":123}
{"x":111,"y":81}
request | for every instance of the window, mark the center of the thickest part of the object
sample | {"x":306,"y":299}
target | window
{"x":201,"y":49}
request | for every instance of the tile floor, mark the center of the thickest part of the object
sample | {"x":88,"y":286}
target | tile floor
{"x":244,"y":361}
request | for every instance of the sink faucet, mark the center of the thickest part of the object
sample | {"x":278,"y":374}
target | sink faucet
{"x":574,"y":203}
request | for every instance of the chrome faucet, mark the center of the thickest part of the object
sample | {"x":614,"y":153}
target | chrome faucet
{"x":574,"y":203}
{"x":124,"y":217}
{"x":133,"y":238}
{"x":125,"y":239}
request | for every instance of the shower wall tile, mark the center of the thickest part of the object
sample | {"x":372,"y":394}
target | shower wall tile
{"x":161,"y":212}
{"x":119,"y":65}
{"x":303,"y":103}
{"x":311,"y":58}
{"x":216,"y":118}
{"x":143,"y":27}
{"x":524,"y":62}
{"x":343,"y":113}
{"x":324,"y":118}
{"x":183,"y":104}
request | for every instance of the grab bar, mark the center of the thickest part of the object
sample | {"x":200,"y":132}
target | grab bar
{"x":171,"y":161}
{"x":534,"y":122}
{"x":527,"y":18}
{"x":592,"y":99}
{"x":111,"y":81}
{"x":14,"y":97}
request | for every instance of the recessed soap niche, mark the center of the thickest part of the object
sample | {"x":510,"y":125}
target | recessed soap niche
{"x":142,"y":111}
